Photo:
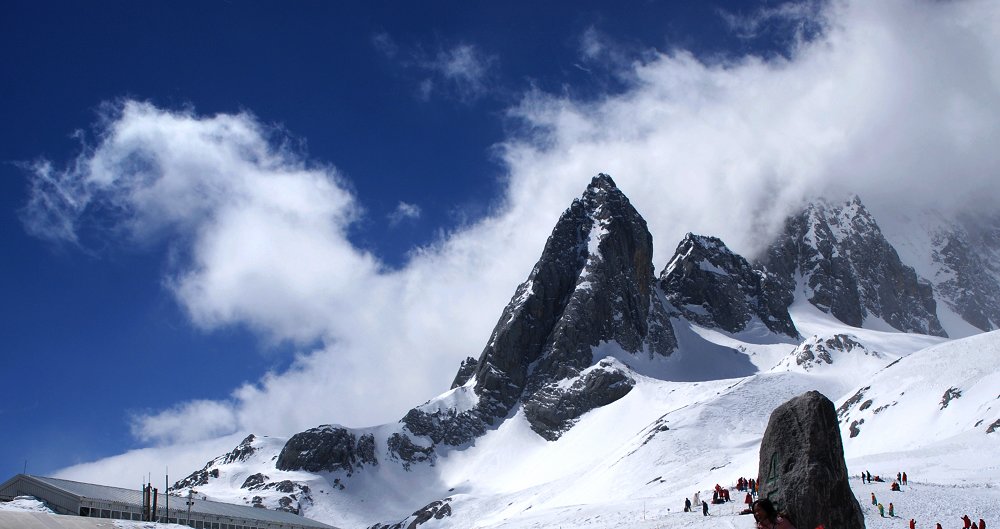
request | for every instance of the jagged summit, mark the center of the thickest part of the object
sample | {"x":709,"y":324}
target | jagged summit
{"x":714,"y":287}
{"x":592,"y":284}
{"x":848,"y":269}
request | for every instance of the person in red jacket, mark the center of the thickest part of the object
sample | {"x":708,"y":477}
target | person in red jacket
{"x":982,"y":524}
{"x":967,"y":521}
{"x":913,"y":524}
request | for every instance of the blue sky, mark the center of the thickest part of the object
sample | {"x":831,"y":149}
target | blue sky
{"x":220,"y":217}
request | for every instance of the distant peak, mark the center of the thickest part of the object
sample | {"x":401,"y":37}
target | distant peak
{"x":602,"y":181}
{"x":705,"y":241}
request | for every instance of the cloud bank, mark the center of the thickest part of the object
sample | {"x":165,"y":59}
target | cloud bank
{"x":896,"y":101}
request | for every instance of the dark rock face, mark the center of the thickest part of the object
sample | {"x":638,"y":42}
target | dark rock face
{"x":850,"y":270}
{"x":818,"y":350}
{"x":554,"y":408}
{"x":242,"y":452}
{"x":434,"y":510}
{"x":802,"y":468}
{"x":447,"y":427}
{"x":326,"y":449}
{"x":297,"y":495}
{"x":465,"y":372}
{"x":714,"y":287}
{"x":255,"y":481}
{"x":969,"y":281}
{"x":402,"y":448}
{"x":365,"y":450}
{"x":593,"y":284}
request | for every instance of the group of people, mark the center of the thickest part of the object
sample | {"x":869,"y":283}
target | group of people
{"x":900,"y":479}
{"x":697,"y":500}
{"x":720,"y":494}
{"x":968,"y":523}
{"x":748,"y":485}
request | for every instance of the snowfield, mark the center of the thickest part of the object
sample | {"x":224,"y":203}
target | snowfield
{"x":632,"y":463}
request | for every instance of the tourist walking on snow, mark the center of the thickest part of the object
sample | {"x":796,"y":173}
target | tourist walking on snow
{"x":913,"y":524}
{"x":881,"y":511}
{"x":687,"y":505}
{"x":704,"y":508}
{"x":904,"y":478}
{"x":982,"y":524}
{"x":873,"y":499}
{"x":767,"y":516}
{"x":967,"y":520}
{"x":938,"y":526}
{"x":891,"y":512}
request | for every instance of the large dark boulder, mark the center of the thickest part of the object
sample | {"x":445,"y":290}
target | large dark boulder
{"x":802,"y":468}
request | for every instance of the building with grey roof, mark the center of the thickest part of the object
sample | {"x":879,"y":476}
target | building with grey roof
{"x":100,"y":501}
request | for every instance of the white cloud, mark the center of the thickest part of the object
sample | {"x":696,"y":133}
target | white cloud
{"x":895,"y":100}
{"x":172,"y":425}
{"x":404,"y":211}
{"x":462,"y":71}
{"x":465,"y":69}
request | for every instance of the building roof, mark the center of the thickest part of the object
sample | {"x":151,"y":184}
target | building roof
{"x":134,"y":497}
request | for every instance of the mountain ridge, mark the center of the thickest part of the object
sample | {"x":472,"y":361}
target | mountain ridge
{"x":583,"y":338}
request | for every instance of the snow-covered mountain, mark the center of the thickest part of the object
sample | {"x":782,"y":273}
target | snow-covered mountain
{"x":960,"y":257}
{"x":605,"y":392}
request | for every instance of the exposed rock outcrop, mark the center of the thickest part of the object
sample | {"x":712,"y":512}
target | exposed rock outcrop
{"x":436,"y":510}
{"x":714,"y":287}
{"x":465,"y":372}
{"x":326,"y":449}
{"x":242,"y":452}
{"x":555,"y":407}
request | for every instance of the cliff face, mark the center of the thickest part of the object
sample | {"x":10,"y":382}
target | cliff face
{"x":714,"y":287}
{"x":592,"y":284}
{"x":848,"y":269}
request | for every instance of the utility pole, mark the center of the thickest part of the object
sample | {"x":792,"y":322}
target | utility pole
{"x":190,"y":502}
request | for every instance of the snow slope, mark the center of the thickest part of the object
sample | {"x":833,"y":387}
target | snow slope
{"x":632,"y":463}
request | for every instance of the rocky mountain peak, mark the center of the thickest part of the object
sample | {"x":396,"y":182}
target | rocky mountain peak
{"x":712,"y":286}
{"x":848,"y":269}
{"x":593,"y":284}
